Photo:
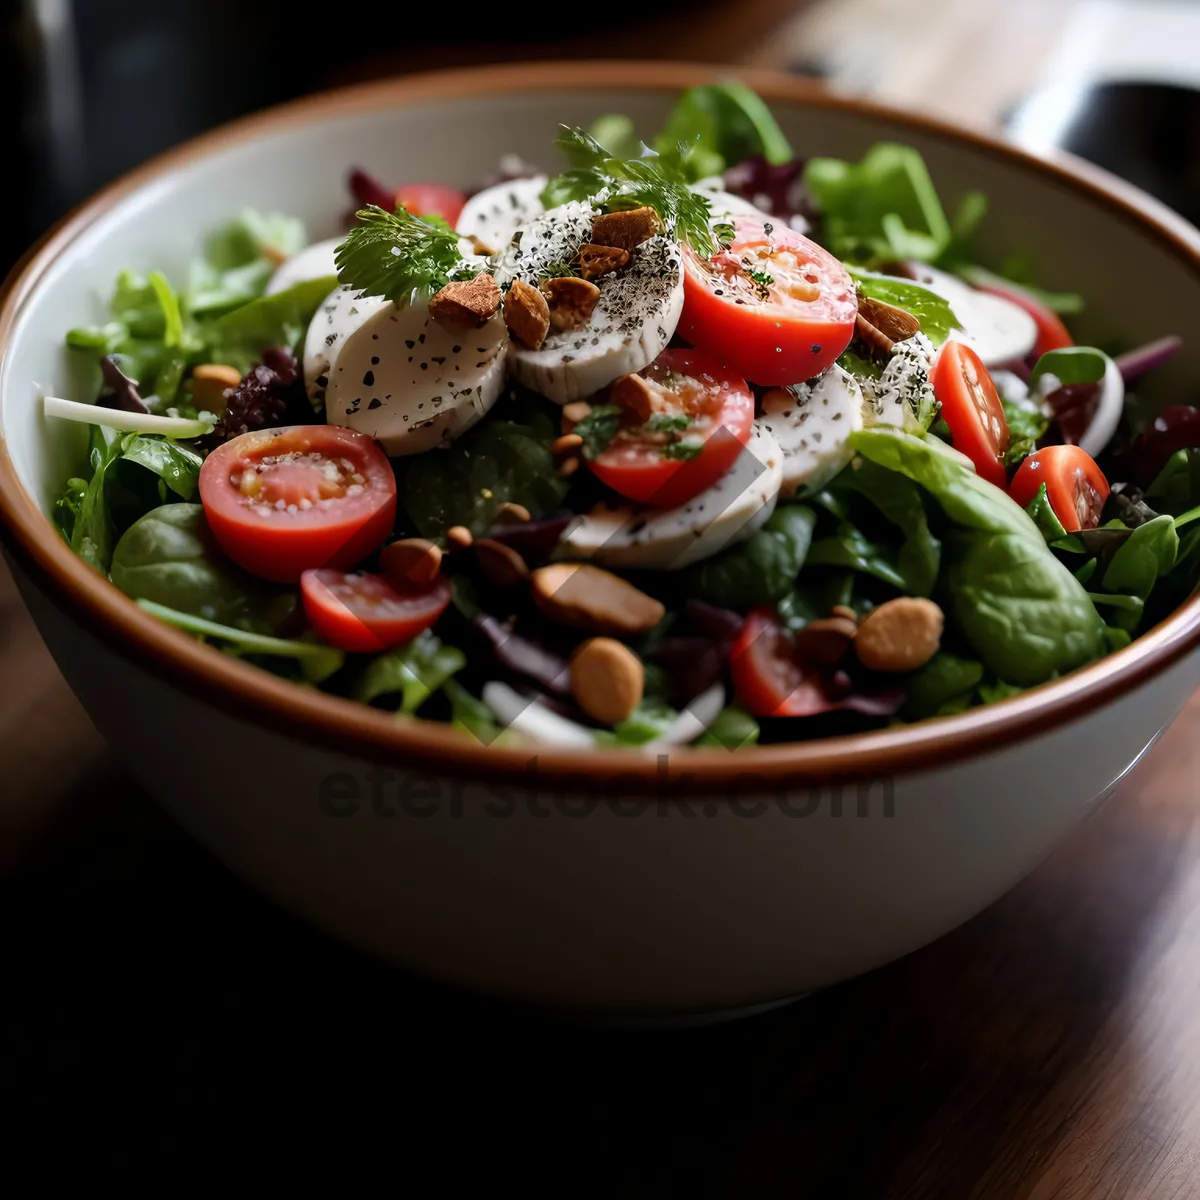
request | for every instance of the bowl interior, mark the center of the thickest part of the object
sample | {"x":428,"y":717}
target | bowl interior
{"x":297,"y":163}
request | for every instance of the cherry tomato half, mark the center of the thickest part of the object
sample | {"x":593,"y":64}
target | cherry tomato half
{"x":364,"y":614}
{"x":1052,"y":334}
{"x":696,"y":402}
{"x":972,"y":409}
{"x":431,"y":200}
{"x":1075,"y":486}
{"x":280,"y":501}
{"x":774,"y":307}
{"x":768,"y":678}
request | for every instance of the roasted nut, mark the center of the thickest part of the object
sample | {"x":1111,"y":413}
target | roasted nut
{"x":607,"y":680}
{"x":459,"y":537}
{"x":587,"y":597}
{"x":410,"y":560}
{"x":501,"y":564}
{"x":210,"y":382}
{"x":627,"y":229}
{"x":468,"y":303}
{"x":576,"y":411}
{"x":571,"y":302}
{"x":844,"y":610}
{"x":595,"y":261}
{"x":480,"y":246}
{"x":569,"y":466}
{"x":880,"y":326}
{"x":512,"y":514}
{"x":901,"y":635}
{"x":568,"y":441}
{"x":526,"y":314}
{"x":778,"y":400}
{"x":826,"y":641}
{"x":639,"y":396}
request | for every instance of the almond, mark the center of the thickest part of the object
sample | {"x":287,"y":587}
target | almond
{"x":568,"y":441}
{"x":880,"y":326}
{"x":459,"y":537}
{"x":571,"y":302}
{"x":500,"y":564}
{"x":627,"y":229}
{"x":575,"y":412}
{"x":210,"y":382}
{"x":635,"y":394}
{"x":526,"y":314}
{"x":587,"y":597}
{"x":469,"y":303}
{"x":901,"y":635}
{"x":410,"y":560}
{"x":595,"y":261}
{"x":607,"y":680}
{"x":512,"y":514}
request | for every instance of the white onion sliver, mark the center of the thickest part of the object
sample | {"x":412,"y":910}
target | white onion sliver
{"x":1108,"y":411}
{"x":534,"y":720}
{"x":693,"y":720}
{"x":125,"y":422}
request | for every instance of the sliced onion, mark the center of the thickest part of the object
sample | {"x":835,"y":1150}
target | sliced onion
{"x":692,"y":721}
{"x":1136,"y":363}
{"x":1109,"y":407}
{"x":126,"y":422}
{"x":532,"y":719}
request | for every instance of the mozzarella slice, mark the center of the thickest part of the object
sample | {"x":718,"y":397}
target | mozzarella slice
{"x":812,"y":422}
{"x":632,"y":322}
{"x":413,"y":382}
{"x":313,"y":262}
{"x":494,"y":214}
{"x":723,"y":204}
{"x":340,"y":314}
{"x":902,"y":396}
{"x":732,"y":509}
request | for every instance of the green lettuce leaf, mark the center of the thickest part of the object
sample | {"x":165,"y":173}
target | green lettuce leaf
{"x":411,"y":673}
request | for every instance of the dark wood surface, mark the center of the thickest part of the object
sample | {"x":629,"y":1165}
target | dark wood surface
{"x":160,"y":1016}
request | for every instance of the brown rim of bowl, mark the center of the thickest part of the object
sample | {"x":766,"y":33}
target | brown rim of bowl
{"x":343,"y":724}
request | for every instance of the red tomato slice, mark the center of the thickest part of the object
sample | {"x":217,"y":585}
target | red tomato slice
{"x":280,"y":501}
{"x":364,"y":614}
{"x":719,"y":409}
{"x":766,"y":675}
{"x":784,"y":323}
{"x":1075,"y":486}
{"x":972,"y":409}
{"x":1052,"y":334}
{"x":431,"y":200}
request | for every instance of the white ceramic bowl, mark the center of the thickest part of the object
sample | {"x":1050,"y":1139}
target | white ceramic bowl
{"x":700,"y":881}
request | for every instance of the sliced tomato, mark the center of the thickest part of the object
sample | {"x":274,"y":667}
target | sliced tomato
{"x":280,"y":501}
{"x":972,"y":409}
{"x":431,"y":200}
{"x":1052,"y":334}
{"x":774,"y":306}
{"x":364,"y":614}
{"x":767,"y":677}
{"x":1075,"y":486}
{"x":697,"y":403}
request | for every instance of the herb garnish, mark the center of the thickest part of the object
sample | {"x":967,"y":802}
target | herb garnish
{"x":656,"y":180}
{"x":667,"y":423}
{"x":598,"y":429}
{"x":762,"y":281}
{"x":724,"y":232}
{"x":398,"y":256}
{"x":682,"y":451}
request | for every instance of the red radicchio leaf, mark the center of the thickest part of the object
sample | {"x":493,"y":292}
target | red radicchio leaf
{"x":367,"y":190}
{"x":120,"y":391}
{"x":534,"y":541}
{"x":1175,"y":428}
{"x":710,"y":621}
{"x":778,"y":190}
{"x":1074,"y":405}
{"x":692,"y":664}
{"x":524,"y":656}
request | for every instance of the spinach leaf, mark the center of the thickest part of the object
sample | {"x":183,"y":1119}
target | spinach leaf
{"x":92,"y":533}
{"x":614,"y":131}
{"x":176,"y":465}
{"x":1176,"y":488}
{"x":1017,"y":606}
{"x":412,"y":672}
{"x":941,"y":681}
{"x":239,"y":260}
{"x":470,"y":715}
{"x":1025,"y":426}
{"x":1144,"y":557}
{"x":733,"y":728}
{"x":760,"y":570}
{"x":997,"y":690}
{"x":935,"y":314}
{"x":650,"y":720}
{"x":315,"y":661}
{"x":1072,"y":364}
{"x":851,"y":548}
{"x":885,"y":206}
{"x":1044,"y":518}
{"x":722,"y":124}
{"x":239,"y":337}
{"x":497,"y":462}
{"x":170,"y":557}
{"x":68,"y":505}
{"x":598,"y":428}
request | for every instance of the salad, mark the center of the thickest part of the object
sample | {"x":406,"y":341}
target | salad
{"x":695,"y":441}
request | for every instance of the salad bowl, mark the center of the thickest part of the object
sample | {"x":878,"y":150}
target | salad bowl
{"x":686,"y":880}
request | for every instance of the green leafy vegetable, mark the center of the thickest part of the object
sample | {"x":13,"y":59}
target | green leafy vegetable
{"x":760,"y":570}
{"x":1072,"y":364}
{"x":1176,"y":488}
{"x":849,"y":547}
{"x":650,"y":720}
{"x":1043,"y":516}
{"x":170,"y":557}
{"x":616,"y":134}
{"x":1025,"y":427}
{"x":240,"y":337}
{"x":1018,"y":271}
{"x":169,"y":303}
{"x":93,"y":534}
{"x":726,"y":123}
{"x":993,"y":693}
{"x":1148,"y":554}
{"x":682,"y":451}
{"x":655,"y":180}
{"x":412,"y":672}
{"x":68,"y":505}
{"x":176,"y":465}
{"x":239,"y":260}
{"x":733,"y":728}
{"x":315,"y":661}
{"x":598,"y":429}
{"x":499,"y":461}
{"x":883,"y":207}
{"x":944,"y":680}
{"x":470,"y":715}
{"x":935,"y":314}
{"x":1017,"y":606}
{"x":667,"y":423}
{"x":397,"y":255}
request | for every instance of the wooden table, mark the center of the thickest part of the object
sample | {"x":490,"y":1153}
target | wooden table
{"x":156,"y":1014}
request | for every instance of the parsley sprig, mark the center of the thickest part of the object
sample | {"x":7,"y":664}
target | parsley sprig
{"x":656,"y":180}
{"x":398,"y":256}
